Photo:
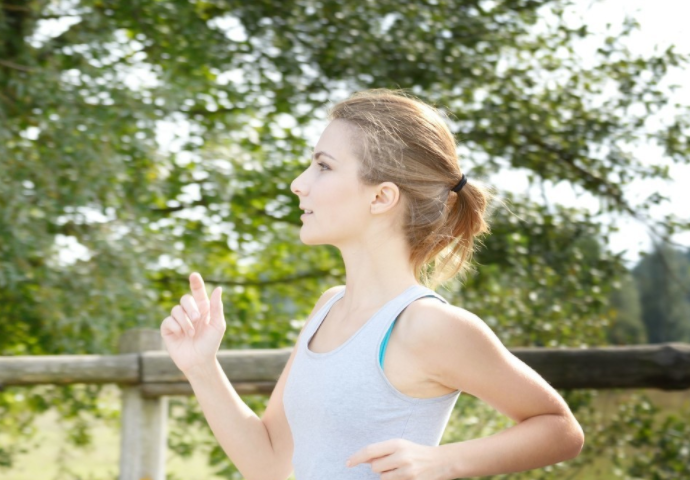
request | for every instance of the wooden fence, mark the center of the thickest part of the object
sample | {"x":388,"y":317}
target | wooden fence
{"x":147,"y":375}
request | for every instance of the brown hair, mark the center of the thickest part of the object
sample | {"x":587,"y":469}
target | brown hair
{"x":406,"y":141}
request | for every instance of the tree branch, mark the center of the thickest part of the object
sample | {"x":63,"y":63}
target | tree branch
{"x":204,"y":203}
{"x":15,"y":8}
{"x":612,"y":191}
{"x":252,"y":283}
{"x":16,"y":66}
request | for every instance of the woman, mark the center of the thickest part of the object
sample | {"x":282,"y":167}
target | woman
{"x":381,"y":360}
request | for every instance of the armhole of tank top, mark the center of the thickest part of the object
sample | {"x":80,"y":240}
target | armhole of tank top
{"x":384,"y":343}
{"x":380,"y":357}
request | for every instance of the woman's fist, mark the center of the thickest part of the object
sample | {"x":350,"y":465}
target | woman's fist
{"x":193,"y":331}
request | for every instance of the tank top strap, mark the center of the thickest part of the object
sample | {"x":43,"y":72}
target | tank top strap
{"x":319,"y":316}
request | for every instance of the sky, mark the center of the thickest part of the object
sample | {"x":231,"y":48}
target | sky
{"x":661,"y":24}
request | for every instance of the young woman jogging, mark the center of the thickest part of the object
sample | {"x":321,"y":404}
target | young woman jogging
{"x":381,"y":360}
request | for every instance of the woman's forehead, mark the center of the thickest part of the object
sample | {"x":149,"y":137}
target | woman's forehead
{"x":337,"y":140}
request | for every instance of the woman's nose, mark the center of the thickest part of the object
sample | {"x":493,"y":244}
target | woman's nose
{"x":296,"y":185}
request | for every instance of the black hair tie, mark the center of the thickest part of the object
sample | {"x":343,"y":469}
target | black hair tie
{"x":460,"y":184}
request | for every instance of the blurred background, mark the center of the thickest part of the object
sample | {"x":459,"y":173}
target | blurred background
{"x":144,"y":140}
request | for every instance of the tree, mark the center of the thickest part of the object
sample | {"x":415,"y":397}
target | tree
{"x":663,"y":280}
{"x":80,"y":165}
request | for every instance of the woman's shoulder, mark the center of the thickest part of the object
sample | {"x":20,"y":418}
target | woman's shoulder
{"x":431,"y":322}
{"x":448,"y":339}
{"x":430,"y":309}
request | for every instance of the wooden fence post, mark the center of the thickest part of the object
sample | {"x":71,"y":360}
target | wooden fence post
{"x":143,"y":438}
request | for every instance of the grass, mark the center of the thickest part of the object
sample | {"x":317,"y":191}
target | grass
{"x":54,"y":459}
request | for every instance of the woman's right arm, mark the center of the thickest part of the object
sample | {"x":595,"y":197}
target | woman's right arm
{"x":192,"y":335}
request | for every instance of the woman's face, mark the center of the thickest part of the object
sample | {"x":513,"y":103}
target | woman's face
{"x":329,"y":187}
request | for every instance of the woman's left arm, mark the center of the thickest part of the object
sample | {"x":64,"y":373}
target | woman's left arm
{"x":533,"y":443}
{"x":463,"y":353}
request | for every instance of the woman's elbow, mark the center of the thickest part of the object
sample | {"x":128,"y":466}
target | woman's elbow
{"x":577,"y":441}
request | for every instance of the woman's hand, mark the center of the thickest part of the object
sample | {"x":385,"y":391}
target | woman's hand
{"x":193,"y":331}
{"x":400,"y":459}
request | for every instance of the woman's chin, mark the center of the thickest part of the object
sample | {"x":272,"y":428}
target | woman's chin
{"x":310,"y":240}
{"x":307,"y":239}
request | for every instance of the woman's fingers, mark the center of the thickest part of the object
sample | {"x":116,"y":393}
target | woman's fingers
{"x":183,"y":320}
{"x":190,"y":308}
{"x":217,"y":318}
{"x":196,"y":284}
{"x":171,"y":327}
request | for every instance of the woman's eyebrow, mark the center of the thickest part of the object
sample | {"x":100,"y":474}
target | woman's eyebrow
{"x":317,"y":154}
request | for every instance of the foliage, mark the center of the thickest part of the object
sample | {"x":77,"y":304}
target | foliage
{"x":81,"y":170}
{"x":627,"y":327}
{"x":645,"y":444}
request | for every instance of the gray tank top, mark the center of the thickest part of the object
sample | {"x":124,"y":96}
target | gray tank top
{"x":340,"y":401}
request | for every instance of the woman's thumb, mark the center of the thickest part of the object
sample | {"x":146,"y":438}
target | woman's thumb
{"x":217,"y":307}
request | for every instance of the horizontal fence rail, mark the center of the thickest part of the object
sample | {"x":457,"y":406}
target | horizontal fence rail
{"x":663,"y":366}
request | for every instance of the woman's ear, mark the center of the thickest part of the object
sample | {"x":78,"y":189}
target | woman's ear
{"x":386,"y":197}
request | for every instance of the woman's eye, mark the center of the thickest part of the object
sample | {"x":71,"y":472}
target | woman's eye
{"x":322,"y":165}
